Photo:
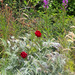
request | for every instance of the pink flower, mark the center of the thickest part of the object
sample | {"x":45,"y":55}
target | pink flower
{"x":65,"y":2}
{"x":45,"y":3}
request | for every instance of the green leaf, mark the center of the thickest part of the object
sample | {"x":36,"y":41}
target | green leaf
{"x":4,"y":42}
{"x":8,"y":53}
{"x":3,"y":72}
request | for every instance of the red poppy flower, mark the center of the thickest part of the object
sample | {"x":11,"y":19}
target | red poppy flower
{"x":23,"y":54}
{"x":38,"y":33}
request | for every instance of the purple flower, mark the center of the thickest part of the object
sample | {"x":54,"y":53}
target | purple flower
{"x":45,"y":3}
{"x":65,"y":2}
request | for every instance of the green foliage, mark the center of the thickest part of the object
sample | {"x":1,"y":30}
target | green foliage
{"x":7,"y":23}
{"x":32,"y":2}
{"x":45,"y":57}
{"x":54,"y":23}
{"x":70,"y":64}
{"x":69,"y":50}
{"x":43,"y":61}
{"x":71,"y":7}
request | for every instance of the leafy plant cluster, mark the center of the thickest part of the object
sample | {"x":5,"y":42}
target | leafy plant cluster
{"x":71,"y":40}
{"x":40,"y":60}
{"x":8,"y":25}
{"x":45,"y":56}
{"x":70,"y":8}
{"x":38,"y":4}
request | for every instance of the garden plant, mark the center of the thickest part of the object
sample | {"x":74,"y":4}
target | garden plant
{"x":37,"y":37}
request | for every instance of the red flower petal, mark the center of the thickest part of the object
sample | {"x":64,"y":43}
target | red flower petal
{"x":38,"y":33}
{"x":23,"y":54}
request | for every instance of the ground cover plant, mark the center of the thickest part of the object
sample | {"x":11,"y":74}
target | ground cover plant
{"x":37,"y":37}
